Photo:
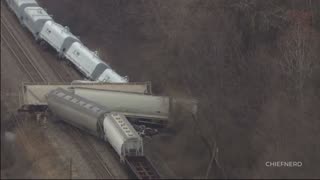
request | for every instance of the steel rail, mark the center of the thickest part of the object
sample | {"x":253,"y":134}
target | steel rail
{"x":18,"y":51}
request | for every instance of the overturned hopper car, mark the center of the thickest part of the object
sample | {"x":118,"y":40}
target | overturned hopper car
{"x":146,"y":109}
{"x":97,"y":120}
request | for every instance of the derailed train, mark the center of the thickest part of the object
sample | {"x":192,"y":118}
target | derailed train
{"x":46,"y":31}
{"x":111,"y":126}
{"x":97,"y":120}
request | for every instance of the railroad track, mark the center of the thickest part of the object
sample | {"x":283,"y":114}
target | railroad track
{"x":96,"y":163}
{"x":94,"y":159}
{"x":20,"y":131}
{"x":139,"y":165}
{"x":19,"y":52}
{"x":27,"y":65}
{"x":33,"y":71}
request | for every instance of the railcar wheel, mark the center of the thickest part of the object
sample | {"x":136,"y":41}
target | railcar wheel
{"x":68,"y":63}
{"x":60,"y":57}
{"x":43,"y":44}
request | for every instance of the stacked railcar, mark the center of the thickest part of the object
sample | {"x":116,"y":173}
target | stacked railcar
{"x":97,"y":120}
{"x":151,"y":110}
{"x":45,"y":29}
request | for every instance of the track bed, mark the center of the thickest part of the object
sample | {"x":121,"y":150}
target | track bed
{"x":142,"y":167}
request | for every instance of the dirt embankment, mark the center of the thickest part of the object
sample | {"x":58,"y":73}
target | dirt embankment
{"x":256,"y":101}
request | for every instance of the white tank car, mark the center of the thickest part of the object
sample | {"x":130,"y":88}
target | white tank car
{"x":85,"y":60}
{"x":59,"y":37}
{"x":97,"y":120}
{"x":110,"y":75}
{"x":34,"y":19}
{"x":90,"y":64}
{"x":18,"y":6}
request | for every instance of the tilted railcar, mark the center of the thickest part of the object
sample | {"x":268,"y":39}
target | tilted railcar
{"x":147,"y":109}
{"x":90,"y":64}
{"x":109,"y":75}
{"x":59,"y":37}
{"x":97,"y":120}
{"x":85,"y":60}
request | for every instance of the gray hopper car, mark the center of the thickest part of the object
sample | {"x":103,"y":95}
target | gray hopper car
{"x":97,"y":120}
{"x":153,"y":109}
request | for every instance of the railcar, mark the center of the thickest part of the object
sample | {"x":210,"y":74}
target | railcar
{"x":146,"y":109}
{"x":34,"y":19}
{"x":59,"y":37}
{"x":90,"y":64}
{"x":109,"y":75}
{"x":18,"y":6}
{"x":97,"y":120}
{"x":46,"y":31}
{"x":85,"y":60}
